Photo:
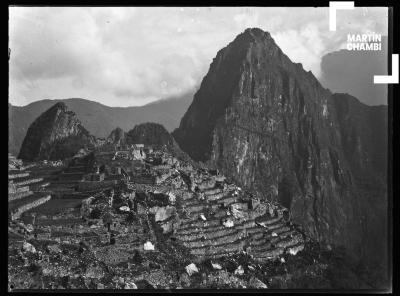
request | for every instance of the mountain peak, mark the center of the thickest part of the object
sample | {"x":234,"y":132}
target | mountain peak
{"x":59,"y":106}
{"x":251,"y":35}
{"x":256,"y":32}
{"x":56,"y":110}
{"x":56,"y":134}
{"x":231,"y":75}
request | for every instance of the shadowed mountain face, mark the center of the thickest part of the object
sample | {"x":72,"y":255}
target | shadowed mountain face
{"x":364,"y":137}
{"x":353,"y":72}
{"x":56,"y":134}
{"x":149,"y":134}
{"x":364,"y":134}
{"x":117,"y":136}
{"x":270,"y":126}
{"x":100,"y":120}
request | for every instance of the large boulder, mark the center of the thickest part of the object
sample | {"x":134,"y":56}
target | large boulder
{"x":164,"y":213}
{"x":27,"y":247}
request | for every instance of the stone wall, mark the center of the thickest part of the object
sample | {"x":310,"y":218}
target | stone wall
{"x":17,"y":212}
{"x":143,"y":179}
{"x":18,"y":175}
{"x":28,"y":181}
{"x":18,"y":195}
{"x":93,"y":185}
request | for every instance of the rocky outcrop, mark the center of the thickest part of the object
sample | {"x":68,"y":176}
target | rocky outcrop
{"x":117,"y":136}
{"x":271,"y":127}
{"x":149,"y":134}
{"x":56,"y":134}
{"x":364,"y":135}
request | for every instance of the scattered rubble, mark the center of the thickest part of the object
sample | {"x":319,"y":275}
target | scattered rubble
{"x":130,"y":285}
{"x":216,"y":266}
{"x":54,"y":249}
{"x":255,"y":283}
{"x":148,"y":246}
{"x":27,"y":247}
{"x":191,"y":269}
{"x":124,"y":209}
{"x":163,"y":213}
{"x":228,"y":223}
{"x":239,"y":270}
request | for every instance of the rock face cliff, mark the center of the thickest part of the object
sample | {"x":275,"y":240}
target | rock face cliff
{"x":364,"y":138}
{"x":56,"y":134}
{"x":270,"y":126}
{"x":117,"y":136}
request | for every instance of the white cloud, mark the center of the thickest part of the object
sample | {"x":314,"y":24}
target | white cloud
{"x":130,"y":56}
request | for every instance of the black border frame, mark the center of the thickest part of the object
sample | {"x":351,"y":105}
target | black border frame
{"x":393,"y":91}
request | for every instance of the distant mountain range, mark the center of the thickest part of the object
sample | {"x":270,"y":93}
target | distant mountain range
{"x":99,"y":119}
{"x":59,"y":134}
{"x":352,"y":72}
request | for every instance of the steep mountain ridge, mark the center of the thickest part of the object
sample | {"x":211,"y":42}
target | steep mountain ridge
{"x":55,"y":134}
{"x":270,"y":126}
{"x":116,"y":136}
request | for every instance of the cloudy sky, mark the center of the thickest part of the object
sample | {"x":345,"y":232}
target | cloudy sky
{"x":132,"y":56}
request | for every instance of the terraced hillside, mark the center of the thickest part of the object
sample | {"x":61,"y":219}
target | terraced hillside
{"x":220,"y":220}
{"x":214,"y":218}
{"x":189,"y":228}
{"x":28,"y":186}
